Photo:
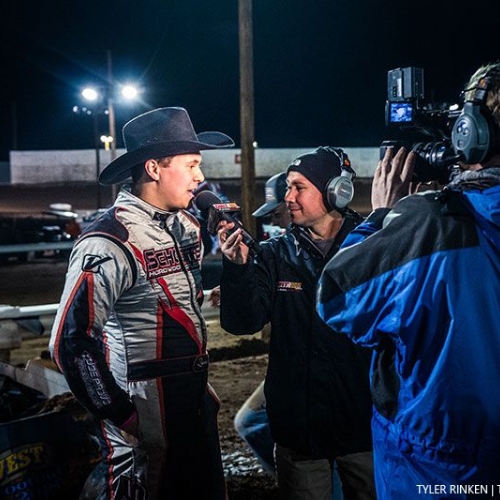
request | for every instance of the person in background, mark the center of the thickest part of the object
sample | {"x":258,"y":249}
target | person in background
{"x":427,"y":303}
{"x":317,"y":386}
{"x":210,"y":243}
{"x":129,"y":335}
{"x":251,"y":421}
{"x":273,"y":214}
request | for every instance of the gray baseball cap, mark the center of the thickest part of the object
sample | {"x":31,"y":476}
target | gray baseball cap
{"x":275,"y":191}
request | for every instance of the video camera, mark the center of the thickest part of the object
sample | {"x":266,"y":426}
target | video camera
{"x":404,"y":109}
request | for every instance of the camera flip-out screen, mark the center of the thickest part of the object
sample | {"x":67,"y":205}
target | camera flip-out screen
{"x":401,"y":112}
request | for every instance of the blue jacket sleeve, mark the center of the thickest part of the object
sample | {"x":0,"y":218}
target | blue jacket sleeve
{"x":371,"y":225}
{"x":367,"y":290}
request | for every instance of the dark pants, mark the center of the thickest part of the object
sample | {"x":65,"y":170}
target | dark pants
{"x":302,"y":478}
{"x":178,"y":452}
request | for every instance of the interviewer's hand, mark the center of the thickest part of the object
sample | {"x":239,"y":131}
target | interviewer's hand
{"x":214,"y":297}
{"x":232,"y":246}
{"x":392,"y":179}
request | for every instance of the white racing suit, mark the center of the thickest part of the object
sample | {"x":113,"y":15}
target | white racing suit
{"x":129,"y":335}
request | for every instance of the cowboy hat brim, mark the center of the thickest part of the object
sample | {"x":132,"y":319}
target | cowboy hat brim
{"x":121,"y":168}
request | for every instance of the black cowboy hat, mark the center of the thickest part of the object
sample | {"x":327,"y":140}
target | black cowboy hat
{"x":156,"y":134}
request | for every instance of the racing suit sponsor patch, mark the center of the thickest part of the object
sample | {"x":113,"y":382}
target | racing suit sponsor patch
{"x":92,"y":380}
{"x":166,"y":261}
{"x":92,"y":263}
{"x":191,"y":255}
{"x":289,"y":286}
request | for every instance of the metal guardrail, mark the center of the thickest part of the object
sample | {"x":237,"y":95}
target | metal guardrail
{"x":36,"y":247}
{"x":38,"y":377}
{"x":8,"y":312}
{"x":23,"y":312}
{"x":20,"y":322}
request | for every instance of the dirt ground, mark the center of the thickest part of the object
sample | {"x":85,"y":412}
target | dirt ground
{"x":237,"y":366}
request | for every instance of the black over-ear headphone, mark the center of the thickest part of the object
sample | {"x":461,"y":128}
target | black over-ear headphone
{"x":473,"y":132}
{"x":339,"y":191}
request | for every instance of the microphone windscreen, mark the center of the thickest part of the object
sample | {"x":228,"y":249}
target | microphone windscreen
{"x":204,"y":201}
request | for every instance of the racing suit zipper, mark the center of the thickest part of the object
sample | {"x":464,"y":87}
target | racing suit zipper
{"x":194,"y":302}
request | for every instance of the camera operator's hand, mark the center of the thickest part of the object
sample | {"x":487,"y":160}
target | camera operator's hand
{"x":392,"y":179}
{"x":231,"y":245}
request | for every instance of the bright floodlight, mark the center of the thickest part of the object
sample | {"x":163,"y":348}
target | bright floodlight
{"x":90,"y":94}
{"x":129,"y":92}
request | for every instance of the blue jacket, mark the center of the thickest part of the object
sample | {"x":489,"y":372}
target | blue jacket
{"x":424,"y":293}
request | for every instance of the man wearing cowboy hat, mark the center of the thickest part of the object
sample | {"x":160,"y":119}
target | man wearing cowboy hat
{"x":129,"y":335}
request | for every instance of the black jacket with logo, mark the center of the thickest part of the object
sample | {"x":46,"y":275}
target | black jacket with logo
{"x":317,"y":383}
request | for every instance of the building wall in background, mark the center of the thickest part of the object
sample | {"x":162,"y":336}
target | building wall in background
{"x":40,"y":178}
{"x":48,"y":167}
{"x":84,"y":198}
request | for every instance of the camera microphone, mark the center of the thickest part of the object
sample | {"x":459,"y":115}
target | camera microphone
{"x":213,"y":210}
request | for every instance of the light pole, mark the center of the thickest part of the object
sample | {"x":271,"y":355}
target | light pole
{"x":98,"y":95}
{"x":95,"y":128}
{"x":111,"y":109}
{"x":129,"y":92}
{"x":107,"y":140}
{"x":97,"y":158}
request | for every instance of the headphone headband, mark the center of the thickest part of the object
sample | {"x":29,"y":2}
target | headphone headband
{"x":472,"y":132}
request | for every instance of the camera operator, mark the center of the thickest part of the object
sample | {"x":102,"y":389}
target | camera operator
{"x":427,"y":302}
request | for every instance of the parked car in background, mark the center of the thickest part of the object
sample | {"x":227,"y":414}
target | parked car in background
{"x":87,"y":219}
{"x":22,"y":232}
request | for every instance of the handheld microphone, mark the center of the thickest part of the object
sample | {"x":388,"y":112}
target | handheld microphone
{"x":214,"y":210}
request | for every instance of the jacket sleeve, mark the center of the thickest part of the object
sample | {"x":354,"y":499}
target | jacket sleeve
{"x":368,"y":290}
{"x":98,"y":273}
{"x":246,"y":294}
{"x":371,"y":225}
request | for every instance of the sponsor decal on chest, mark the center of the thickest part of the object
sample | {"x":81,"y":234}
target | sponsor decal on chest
{"x":289,"y":286}
{"x":166,"y":261}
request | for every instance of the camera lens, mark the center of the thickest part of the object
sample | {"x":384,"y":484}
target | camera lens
{"x":433,"y":162}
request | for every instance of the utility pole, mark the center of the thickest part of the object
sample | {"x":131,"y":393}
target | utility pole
{"x":247,"y":114}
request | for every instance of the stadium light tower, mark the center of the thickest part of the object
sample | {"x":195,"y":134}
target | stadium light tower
{"x":98,"y":94}
{"x":101,"y":99}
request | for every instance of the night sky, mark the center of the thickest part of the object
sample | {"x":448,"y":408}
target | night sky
{"x":319,"y":66}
